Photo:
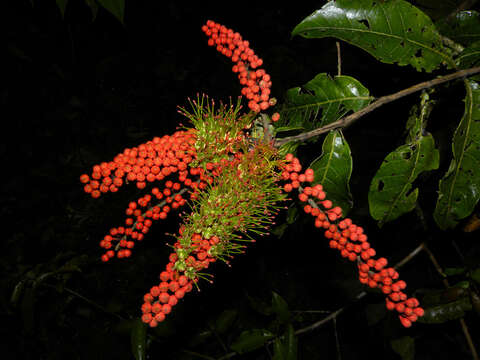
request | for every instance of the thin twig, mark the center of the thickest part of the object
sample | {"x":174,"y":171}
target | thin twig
{"x":445,"y":282}
{"x":463,"y":324}
{"x":359,"y":296}
{"x":337,"y":342}
{"x":80,"y":296}
{"x":335,"y":314}
{"x":348,"y":120}
{"x":339,"y":59}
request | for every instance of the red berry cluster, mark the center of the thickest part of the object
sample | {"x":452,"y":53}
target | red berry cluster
{"x":351,"y":241}
{"x":256,"y":82}
{"x":148,"y":162}
{"x":153,"y":161}
{"x":175,"y":283}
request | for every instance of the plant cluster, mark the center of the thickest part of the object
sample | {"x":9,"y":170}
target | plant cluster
{"x":235,"y":170}
{"x":236,"y":183}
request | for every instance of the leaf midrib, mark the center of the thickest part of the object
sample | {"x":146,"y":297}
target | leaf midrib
{"x":377,"y":33}
{"x":409,"y":181}
{"x":321,"y":103}
{"x":468,"y":116}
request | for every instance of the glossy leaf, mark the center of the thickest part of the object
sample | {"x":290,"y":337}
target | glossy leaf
{"x":446,"y":312}
{"x":138,"y":338}
{"x":394,"y":32}
{"x":280,"y":307}
{"x":115,"y":7}
{"x":391,"y":194}
{"x":321,"y":101}
{"x":250,"y":340}
{"x":463,"y":28}
{"x":285,"y":346}
{"x":459,"y":189}
{"x":333,"y":170}
{"x":62,"y":5}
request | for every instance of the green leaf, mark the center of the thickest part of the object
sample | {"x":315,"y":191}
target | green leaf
{"x":322,"y":100}
{"x":405,"y":347}
{"x":200,"y":338}
{"x":469,"y":57}
{"x":476,"y":275}
{"x":62,"y":5}
{"x":333,"y":170}
{"x":459,"y":189}
{"x":446,"y":312}
{"x":454,"y":271}
{"x":280,"y":307}
{"x":259,"y":306}
{"x":93,"y":5}
{"x":250,"y":340}
{"x":225,"y":320}
{"x":115,"y":7}
{"x":391,"y":194}
{"x":138,"y":338}
{"x":463,"y":28}
{"x":290,"y":147}
{"x":285,"y":347}
{"x":392,"y":31}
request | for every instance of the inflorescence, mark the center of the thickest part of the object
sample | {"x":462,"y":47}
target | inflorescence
{"x":235,"y":185}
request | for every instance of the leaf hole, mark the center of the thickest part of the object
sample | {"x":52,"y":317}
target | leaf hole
{"x":364,"y":22}
{"x":381,"y":185}
{"x":418,"y":53}
{"x":406,"y":155}
{"x":409,"y":192}
{"x":409,"y":29}
{"x":305,"y":91}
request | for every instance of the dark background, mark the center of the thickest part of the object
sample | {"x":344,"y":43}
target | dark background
{"x":76,"y":92}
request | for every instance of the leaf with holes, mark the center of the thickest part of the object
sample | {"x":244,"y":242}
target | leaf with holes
{"x":333,"y":170}
{"x":459,"y":189}
{"x":321,"y":101}
{"x":391,"y":194}
{"x":394,"y":32}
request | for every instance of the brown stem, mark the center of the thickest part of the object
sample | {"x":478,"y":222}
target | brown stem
{"x":348,"y":120}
